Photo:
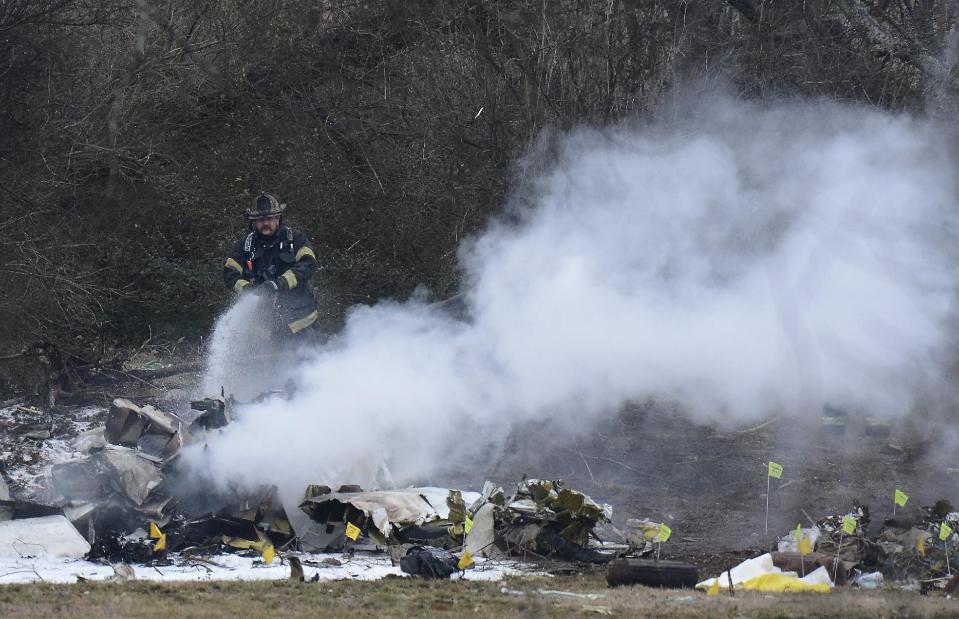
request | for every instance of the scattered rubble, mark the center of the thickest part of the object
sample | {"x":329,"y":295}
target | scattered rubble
{"x":429,"y":562}
{"x":105,"y":487}
{"x":542,"y":519}
{"x":115,"y":493}
{"x":909,"y":550}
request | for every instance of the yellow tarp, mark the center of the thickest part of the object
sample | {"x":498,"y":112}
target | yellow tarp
{"x":780,"y":583}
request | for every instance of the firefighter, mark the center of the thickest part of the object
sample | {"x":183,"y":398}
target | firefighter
{"x":275,"y":261}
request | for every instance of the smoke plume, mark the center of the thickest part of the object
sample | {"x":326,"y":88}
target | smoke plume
{"x":740,"y":260}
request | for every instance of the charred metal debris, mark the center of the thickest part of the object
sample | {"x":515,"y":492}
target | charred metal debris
{"x":124,"y":495}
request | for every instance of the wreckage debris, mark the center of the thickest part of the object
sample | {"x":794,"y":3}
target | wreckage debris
{"x":916,"y":549}
{"x":126,"y":485}
{"x":134,"y":548}
{"x":214,"y":413}
{"x":542,"y":519}
{"x":429,"y":562}
{"x":122,"y":485}
{"x":51,"y":536}
{"x":127,"y":423}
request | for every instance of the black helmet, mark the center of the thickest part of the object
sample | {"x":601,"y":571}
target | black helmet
{"x":265,"y":205}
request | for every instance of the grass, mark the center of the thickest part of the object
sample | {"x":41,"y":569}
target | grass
{"x":402,"y":597}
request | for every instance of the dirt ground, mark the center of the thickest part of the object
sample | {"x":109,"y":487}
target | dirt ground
{"x":580,"y":596}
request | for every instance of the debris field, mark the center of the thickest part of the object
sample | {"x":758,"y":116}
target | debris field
{"x":94,"y":495}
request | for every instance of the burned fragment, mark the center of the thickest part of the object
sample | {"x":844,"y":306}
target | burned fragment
{"x":127,"y":422}
{"x":384,"y":514}
{"x":34,"y":431}
{"x":546,"y":519}
{"x":429,"y":562}
{"x":118,"y":548}
{"x":542,"y":519}
{"x":213,"y":413}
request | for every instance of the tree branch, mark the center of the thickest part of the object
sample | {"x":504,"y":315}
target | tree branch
{"x":898,"y":44}
{"x":745,"y":8}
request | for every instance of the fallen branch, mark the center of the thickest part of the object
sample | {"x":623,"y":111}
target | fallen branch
{"x":173,"y":370}
{"x":128,"y":375}
{"x":762,"y":425}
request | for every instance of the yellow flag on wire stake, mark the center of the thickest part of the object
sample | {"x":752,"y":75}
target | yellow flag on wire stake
{"x":901,"y":498}
{"x":848,"y":524}
{"x":664,"y":532}
{"x":803,"y":545}
{"x":352,"y":531}
{"x":775,"y":470}
{"x":944,"y":531}
{"x":468,"y":525}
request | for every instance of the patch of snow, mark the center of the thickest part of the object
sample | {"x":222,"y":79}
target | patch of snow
{"x":236,"y":567}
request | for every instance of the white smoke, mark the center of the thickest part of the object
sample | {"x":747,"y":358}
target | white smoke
{"x":740,"y":260}
{"x":243,"y":356}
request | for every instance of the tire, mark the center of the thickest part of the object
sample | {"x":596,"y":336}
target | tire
{"x":667,"y":574}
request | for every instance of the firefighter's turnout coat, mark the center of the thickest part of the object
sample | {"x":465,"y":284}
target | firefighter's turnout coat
{"x":287,"y":258}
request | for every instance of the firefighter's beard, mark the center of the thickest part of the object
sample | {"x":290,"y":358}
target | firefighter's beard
{"x":266,"y":228}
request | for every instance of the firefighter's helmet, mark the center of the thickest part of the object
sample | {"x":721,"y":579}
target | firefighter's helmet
{"x":265,"y":205}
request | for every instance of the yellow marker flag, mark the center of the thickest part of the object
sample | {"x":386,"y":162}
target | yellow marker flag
{"x":155,"y":530}
{"x":901,"y":498}
{"x":802,"y":541}
{"x":664,"y":532}
{"x":268,"y":553}
{"x":466,"y":560}
{"x":468,"y":525}
{"x":161,"y":543}
{"x":775,"y":470}
{"x":921,"y":545}
{"x":848,"y":524}
{"x":352,"y":531}
{"x":713,"y":588}
{"x":944,"y":531}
